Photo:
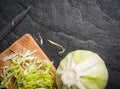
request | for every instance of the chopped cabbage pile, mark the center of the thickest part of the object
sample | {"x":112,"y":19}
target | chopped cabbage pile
{"x":28,"y":71}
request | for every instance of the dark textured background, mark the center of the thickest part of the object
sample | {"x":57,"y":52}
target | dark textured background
{"x":75,"y":24}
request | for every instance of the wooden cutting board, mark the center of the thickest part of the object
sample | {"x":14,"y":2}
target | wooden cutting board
{"x":26,"y":42}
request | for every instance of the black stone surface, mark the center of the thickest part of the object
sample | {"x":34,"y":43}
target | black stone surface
{"x":76,"y":24}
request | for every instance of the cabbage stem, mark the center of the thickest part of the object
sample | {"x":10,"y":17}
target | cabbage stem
{"x":69,"y":77}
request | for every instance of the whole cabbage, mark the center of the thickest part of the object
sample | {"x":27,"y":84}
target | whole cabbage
{"x":82,"y":69}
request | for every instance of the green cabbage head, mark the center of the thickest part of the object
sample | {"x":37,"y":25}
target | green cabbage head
{"x":82,"y":69}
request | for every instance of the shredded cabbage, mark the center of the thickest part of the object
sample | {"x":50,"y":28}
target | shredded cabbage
{"x":41,"y":39}
{"x":28,"y":71}
{"x":62,"y":48}
{"x":81,"y":69}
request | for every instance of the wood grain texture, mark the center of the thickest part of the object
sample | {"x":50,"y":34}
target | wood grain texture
{"x":26,"y":42}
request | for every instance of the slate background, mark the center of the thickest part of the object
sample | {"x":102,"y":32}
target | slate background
{"x":76,"y":24}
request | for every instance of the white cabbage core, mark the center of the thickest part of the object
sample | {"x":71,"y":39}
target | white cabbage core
{"x":69,"y":77}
